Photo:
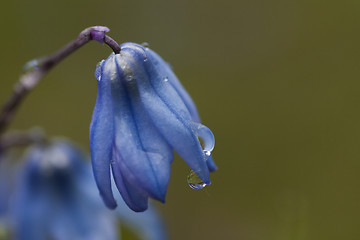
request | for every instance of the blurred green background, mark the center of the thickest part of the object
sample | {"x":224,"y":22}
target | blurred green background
{"x":276,"y":81}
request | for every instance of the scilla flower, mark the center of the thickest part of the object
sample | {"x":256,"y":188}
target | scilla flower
{"x":142,"y":113}
{"x":54,"y":197}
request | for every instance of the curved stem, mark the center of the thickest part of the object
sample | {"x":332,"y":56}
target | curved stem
{"x":112,"y":43}
{"x":39,"y":67}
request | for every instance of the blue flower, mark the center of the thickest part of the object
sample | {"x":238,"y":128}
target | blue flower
{"x":141,"y":114}
{"x":54,"y":197}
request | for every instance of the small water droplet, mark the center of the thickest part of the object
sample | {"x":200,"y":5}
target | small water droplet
{"x":145,"y":59}
{"x":129,"y":78}
{"x":207,"y":153}
{"x":145,"y":44}
{"x":194,"y":181}
{"x":166,"y":79}
{"x":31,"y":65}
{"x":98,"y":70}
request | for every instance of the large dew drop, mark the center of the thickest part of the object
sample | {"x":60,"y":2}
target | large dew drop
{"x":194,"y":181}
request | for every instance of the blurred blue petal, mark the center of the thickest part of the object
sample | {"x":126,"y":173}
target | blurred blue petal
{"x":152,"y":114}
{"x":52,"y":199}
{"x":146,"y":225}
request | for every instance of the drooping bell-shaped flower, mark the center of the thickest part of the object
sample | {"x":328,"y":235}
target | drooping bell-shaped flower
{"x":54,"y":197}
{"x":142,"y":113}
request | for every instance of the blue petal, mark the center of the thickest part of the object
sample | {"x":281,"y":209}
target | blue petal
{"x":31,"y":206}
{"x":165,"y":70}
{"x":211,"y":164}
{"x":145,"y":155}
{"x":101,"y":135}
{"x":137,"y":201}
{"x":30,"y":210}
{"x":166,"y":109}
{"x":82,"y":218}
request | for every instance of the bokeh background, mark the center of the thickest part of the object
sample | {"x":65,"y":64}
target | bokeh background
{"x":277,"y":82}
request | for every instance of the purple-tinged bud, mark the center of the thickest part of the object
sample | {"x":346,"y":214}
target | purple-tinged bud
{"x":98,"y":33}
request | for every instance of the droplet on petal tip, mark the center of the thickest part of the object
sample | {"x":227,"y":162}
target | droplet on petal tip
{"x":194,"y":181}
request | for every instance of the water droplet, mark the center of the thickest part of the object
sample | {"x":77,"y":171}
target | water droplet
{"x":145,"y":44}
{"x":98,"y":70}
{"x":207,"y":153}
{"x":166,"y":79}
{"x":206,"y":139}
{"x":31,"y":65}
{"x":145,"y":59}
{"x":194,"y":181}
{"x":129,"y":78}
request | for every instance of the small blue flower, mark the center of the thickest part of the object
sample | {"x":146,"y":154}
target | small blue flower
{"x":142,"y":113}
{"x":54,"y":197}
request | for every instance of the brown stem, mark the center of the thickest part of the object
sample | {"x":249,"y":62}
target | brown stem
{"x":39,"y":67}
